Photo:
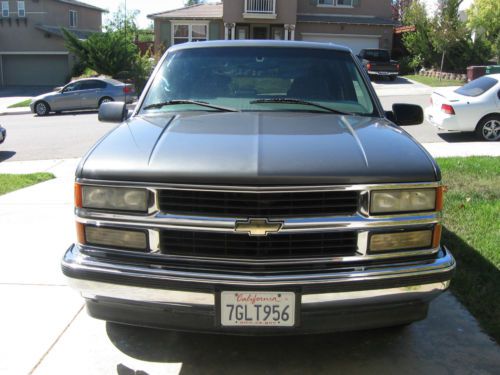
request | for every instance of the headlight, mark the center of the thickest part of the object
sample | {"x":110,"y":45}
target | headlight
{"x":411,"y":200}
{"x":109,"y":198}
{"x":129,"y":239}
{"x":410,"y":240}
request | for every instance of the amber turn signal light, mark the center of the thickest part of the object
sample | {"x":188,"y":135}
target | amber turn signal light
{"x":436,"y":236}
{"x":439,"y":198}
{"x":80,"y":233}
{"x":78,"y":195}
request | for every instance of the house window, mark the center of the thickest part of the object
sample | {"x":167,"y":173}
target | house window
{"x":336,"y":3}
{"x":5,"y":9}
{"x":73,"y":18}
{"x":183,"y":33}
{"x":344,"y":3}
{"x":21,"y":10}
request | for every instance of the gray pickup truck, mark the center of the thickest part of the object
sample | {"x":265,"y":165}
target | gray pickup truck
{"x":378,"y":63}
{"x":258,"y":188}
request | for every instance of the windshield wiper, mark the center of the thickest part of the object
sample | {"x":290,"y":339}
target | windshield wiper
{"x":299,"y":101}
{"x":194,"y":102}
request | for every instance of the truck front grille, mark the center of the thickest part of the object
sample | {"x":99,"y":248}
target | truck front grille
{"x":242,"y":246}
{"x":262,"y":205}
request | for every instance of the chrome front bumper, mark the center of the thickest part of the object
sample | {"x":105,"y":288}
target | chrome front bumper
{"x":404,"y":281}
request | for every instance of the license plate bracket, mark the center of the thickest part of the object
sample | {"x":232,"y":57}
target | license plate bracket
{"x":249,"y":298}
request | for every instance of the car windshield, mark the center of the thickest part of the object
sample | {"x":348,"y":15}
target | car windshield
{"x":376,"y":55}
{"x":259,"y":79}
{"x":477,"y":87}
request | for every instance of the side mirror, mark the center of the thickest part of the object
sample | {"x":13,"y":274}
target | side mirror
{"x":406,"y":114}
{"x":113,"y":112}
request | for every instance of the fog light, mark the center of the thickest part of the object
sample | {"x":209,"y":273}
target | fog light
{"x":401,"y":241}
{"x":115,"y":238}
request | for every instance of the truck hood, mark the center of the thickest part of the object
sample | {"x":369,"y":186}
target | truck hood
{"x":258,"y":148}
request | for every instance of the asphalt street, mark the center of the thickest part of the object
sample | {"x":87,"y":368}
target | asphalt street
{"x":70,"y":135}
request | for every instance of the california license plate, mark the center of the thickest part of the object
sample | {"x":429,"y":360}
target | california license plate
{"x":257,"y":309}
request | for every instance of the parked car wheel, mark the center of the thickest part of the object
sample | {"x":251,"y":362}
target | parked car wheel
{"x":105,"y":100}
{"x":42,"y":109}
{"x":489,"y":128}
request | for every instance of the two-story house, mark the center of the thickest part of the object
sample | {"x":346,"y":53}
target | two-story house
{"x":32,"y":50}
{"x":357,"y":24}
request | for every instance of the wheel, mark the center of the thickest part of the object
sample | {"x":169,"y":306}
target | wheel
{"x":105,"y":100}
{"x":42,"y":109}
{"x":489,"y":128}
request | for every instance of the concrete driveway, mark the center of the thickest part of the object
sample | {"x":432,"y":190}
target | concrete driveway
{"x":45,"y":329}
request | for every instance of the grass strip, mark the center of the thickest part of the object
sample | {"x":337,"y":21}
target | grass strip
{"x":24,"y":103}
{"x":12,"y":182}
{"x":434,"y":82}
{"x":472,"y":233}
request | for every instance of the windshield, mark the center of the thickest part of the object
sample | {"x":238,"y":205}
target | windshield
{"x":477,"y":87}
{"x":256,"y":78}
{"x":376,"y":55}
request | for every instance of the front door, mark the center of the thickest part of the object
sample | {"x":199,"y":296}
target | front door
{"x":260,"y":32}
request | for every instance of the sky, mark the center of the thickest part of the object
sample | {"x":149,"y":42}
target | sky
{"x":154,"y":6}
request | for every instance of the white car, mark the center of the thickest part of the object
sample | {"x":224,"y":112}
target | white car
{"x":474,"y":107}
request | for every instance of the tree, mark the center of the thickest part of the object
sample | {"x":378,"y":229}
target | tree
{"x":122,"y":20}
{"x":418,"y":43}
{"x":193,"y":2}
{"x":448,"y":29}
{"x":484,"y":19}
{"x":399,"y":8}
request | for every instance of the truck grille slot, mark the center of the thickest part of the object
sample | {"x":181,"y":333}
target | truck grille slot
{"x":243,"y":204}
{"x":235,"y":245}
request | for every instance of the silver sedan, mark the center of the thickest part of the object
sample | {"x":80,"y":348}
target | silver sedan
{"x":83,"y":94}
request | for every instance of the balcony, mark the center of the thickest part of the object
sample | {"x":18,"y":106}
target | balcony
{"x":260,"y":9}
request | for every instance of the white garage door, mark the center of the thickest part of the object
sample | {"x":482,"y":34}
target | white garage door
{"x":353,"y":42}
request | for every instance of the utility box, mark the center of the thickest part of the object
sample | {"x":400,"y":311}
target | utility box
{"x":493,"y":69}
{"x":474,"y":72}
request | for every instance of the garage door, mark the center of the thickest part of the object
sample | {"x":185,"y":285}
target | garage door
{"x":353,"y":42}
{"x":35,"y":70}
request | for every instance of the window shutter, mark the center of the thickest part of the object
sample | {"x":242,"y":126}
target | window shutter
{"x":355,"y":3}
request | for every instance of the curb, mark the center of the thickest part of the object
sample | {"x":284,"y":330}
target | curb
{"x":13,"y":113}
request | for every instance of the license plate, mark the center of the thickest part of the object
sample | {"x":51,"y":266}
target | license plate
{"x":383,"y":73}
{"x":257,"y":309}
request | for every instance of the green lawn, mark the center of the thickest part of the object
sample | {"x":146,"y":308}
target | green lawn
{"x":434,"y":82}
{"x":472,"y":232}
{"x":11,"y":182}
{"x":24,"y":103}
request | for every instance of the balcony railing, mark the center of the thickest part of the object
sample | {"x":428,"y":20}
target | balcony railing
{"x":260,"y":6}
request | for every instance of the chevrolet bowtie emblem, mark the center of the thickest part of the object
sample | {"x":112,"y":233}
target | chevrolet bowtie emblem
{"x":258,"y":227}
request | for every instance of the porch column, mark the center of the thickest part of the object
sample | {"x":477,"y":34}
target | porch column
{"x":287,"y":29}
{"x":226,"y":31}
{"x":233,"y":31}
{"x":292,"y":29}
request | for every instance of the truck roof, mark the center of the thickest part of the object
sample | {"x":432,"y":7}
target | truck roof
{"x":260,"y":43}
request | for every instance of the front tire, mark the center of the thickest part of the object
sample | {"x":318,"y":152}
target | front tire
{"x":42,"y":109}
{"x":488,"y":128}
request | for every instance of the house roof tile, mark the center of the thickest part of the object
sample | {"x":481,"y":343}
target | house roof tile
{"x":82,"y":4}
{"x":57,"y":31}
{"x":199,"y":11}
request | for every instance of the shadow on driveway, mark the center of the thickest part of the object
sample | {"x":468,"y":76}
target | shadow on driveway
{"x":447,"y":342}
{"x":458,"y":137}
{"x":387,"y":81}
{"x":6,"y":155}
